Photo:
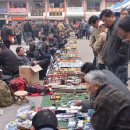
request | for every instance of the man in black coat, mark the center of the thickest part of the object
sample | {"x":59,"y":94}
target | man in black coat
{"x":5,"y":33}
{"x":8,"y":61}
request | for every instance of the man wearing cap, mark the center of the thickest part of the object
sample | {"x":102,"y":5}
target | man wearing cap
{"x":44,"y":120}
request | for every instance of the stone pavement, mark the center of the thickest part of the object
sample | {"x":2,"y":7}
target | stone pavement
{"x":9,"y":114}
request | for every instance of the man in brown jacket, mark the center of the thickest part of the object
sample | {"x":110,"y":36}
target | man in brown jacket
{"x":98,"y":45}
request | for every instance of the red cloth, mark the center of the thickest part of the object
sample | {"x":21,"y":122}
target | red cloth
{"x":18,"y":84}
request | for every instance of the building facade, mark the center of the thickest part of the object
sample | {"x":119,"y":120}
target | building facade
{"x":16,"y":10}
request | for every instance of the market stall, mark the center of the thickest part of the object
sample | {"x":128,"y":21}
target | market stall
{"x":65,"y":80}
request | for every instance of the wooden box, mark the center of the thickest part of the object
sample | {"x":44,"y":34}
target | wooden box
{"x":31,"y":74}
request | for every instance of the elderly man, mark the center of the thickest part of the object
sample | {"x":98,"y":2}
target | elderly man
{"x":111,"y":105}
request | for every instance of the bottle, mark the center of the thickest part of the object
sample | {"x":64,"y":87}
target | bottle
{"x":33,"y":104}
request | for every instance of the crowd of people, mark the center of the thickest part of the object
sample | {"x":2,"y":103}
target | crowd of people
{"x":50,"y":39}
{"x":106,"y":78}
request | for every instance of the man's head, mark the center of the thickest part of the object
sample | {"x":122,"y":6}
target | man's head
{"x":50,"y":36}
{"x":108,"y":17}
{"x":44,"y":120}
{"x":20,"y":51}
{"x":94,"y":81}
{"x":94,"y":21}
{"x":124,"y":29}
{"x":124,"y":13}
{"x":55,"y":23}
{"x":87,"y":67}
{"x":44,"y":38}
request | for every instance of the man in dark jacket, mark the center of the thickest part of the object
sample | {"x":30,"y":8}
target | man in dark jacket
{"x":5,"y":33}
{"x":52,"y":44}
{"x":8,"y":61}
{"x":27,"y":29}
{"x":111,"y":105}
{"x":24,"y":60}
{"x":54,"y":29}
{"x":115,"y":52}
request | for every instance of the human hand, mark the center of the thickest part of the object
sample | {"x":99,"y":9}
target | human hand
{"x":78,"y":103}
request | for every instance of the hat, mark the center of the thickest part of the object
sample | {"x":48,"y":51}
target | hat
{"x":45,"y":119}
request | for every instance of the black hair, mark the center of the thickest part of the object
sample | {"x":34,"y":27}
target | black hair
{"x":128,"y":10}
{"x":124,"y":24}
{"x":18,"y":49}
{"x":44,"y":38}
{"x":93,"y":19}
{"x":43,"y":119}
{"x":87,"y":67}
{"x":106,"y":13}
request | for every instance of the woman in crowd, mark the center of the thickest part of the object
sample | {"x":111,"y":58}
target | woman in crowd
{"x":124,"y":13}
{"x":124,"y":29}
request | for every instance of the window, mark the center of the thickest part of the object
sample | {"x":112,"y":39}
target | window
{"x":37,"y":7}
{"x":56,"y":3}
{"x":56,"y":14}
{"x":74,"y":3}
{"x":17,"y":4}
{"x":93,"y":5}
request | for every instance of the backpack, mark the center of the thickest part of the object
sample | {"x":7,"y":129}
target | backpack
{"x":37,"y":88}
{"x":18,"y":83}
{"x":6,"y":99}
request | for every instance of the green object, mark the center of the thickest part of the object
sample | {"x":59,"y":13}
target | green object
{"x":65,"y":98}
{"x":33,"y":104}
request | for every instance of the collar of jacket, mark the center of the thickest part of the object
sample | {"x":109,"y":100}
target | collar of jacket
{"x":113,"y":24}
{"x":100,"y":88}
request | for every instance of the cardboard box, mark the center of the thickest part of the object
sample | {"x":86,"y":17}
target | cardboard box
{"x":31,"y":74}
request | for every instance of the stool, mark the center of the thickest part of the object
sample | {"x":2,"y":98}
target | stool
{"x":20,"y":95}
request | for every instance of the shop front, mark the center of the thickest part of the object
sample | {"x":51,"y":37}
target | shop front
{"x":56,"y":10}
{"x":18,"y":10}
{"x":36,"y":9}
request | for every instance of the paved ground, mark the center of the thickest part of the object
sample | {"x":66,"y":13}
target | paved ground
{"x":84,"y":52}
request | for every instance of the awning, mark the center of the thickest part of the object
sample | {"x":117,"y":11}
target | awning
{"x":115,"y":6}
{"x":124,"y":4}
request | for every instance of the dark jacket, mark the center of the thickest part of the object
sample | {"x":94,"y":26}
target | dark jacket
{"x":5,"y":33}
{"x":54,"y":29}
{"x":115,"y":52}
{"x":23,"y":60}
{"x":112,"y":108}
{"x":52,"y":42}
{"x":46,"y":29}
{"x":115,"y":81}
{"x":8,"y":60}
{"x":27,"y":27}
